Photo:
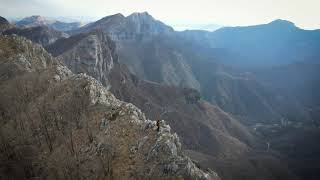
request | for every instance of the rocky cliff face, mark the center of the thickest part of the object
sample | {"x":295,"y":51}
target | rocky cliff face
{"x":137,"y":26}
{"x":93,"y":53}
{"x":57,"y":125}
{"x":135,"y":36}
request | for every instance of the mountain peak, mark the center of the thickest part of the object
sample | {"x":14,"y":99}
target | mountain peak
{"x":144,"y":23}
{"x":35,"y":20}
{"x":281,"y":22}
{"x":117,"y":15}
{"x":135,"y":26}
{"x":114,"y":18}
{"x":141,"y":14}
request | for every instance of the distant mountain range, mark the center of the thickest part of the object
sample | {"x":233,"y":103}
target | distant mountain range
{"x":33,"y":21}
{"x":277,"y":43}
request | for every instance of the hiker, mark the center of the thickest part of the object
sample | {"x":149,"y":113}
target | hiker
{"x":158,"y":125}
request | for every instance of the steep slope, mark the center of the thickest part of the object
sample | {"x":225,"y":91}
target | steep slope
{"x":299,"y":80}
{"x":134,"y":36}
{"x":95,"y":54}
{"x":203,"y":128}
{"x":158,"y":60}
{"x":187,"y":59}
{"x":177,"y":61}
{"x":39,"y":34}
{"x":34,"y":21}
{"x":4,"y":24}
{"x":280,"y":56}
{"x":57,"y":125}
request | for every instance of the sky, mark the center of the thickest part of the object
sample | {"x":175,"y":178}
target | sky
{"x":304,"y":13}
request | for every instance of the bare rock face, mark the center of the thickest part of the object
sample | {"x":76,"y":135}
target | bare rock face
{"x":137,"y":26}
{"x":143,"y":24}
{"x":93,"y":53}
{"x":137,"y":37}
{"x":57,"y":125}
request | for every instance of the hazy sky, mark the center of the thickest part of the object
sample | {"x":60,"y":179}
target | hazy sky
{"x":304,"y":13}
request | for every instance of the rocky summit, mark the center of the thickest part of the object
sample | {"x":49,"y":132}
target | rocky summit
{"x":58,"y":125}
{"x":137,"y":26}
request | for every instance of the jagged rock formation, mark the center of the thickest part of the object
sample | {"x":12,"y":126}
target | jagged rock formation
{"x":57,"y":125}
{"x":39,"y":34}
{"x":34,"y":21}
{"x":96,"y":57}
{"x":137,"y":26}
{"x":135,"y":36}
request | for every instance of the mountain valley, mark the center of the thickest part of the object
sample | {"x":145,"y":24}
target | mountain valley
{"x":243,"y":100}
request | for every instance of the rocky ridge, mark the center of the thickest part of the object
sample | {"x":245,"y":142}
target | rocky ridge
{"x":57,"y":125}
{"x":137,"y":26}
